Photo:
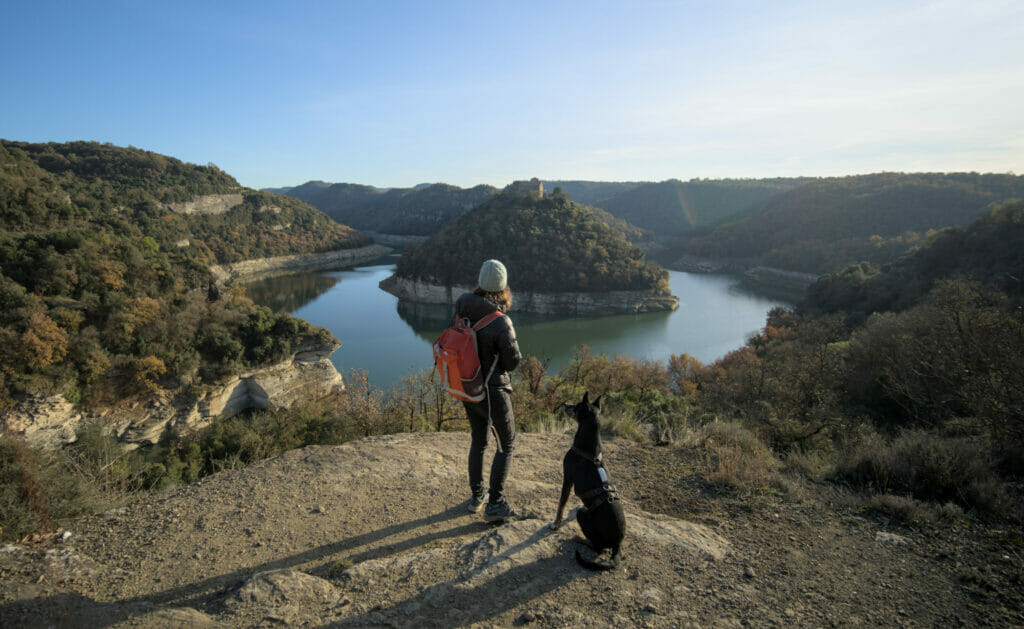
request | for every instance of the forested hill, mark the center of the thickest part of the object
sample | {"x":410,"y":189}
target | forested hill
{"x":418,"y":211}
{"x":592,"y":193}
{"x":673,"y":208}
{"x":44,"y":186}
{"x":104,"y":270}
{"x":989,"y":251}
{"x":549,"y":245}
{"x":826,"y":224}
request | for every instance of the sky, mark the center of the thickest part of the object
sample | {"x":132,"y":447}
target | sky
{"x":394,"y":94}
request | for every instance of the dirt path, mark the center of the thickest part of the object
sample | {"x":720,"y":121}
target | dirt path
{"x":375,"y":533}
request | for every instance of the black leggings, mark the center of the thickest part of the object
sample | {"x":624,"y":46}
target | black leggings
{"x":498,"y":406}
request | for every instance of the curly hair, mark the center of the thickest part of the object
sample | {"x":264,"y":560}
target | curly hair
{"x":503,"y":297}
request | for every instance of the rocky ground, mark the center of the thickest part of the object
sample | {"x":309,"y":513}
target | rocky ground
{"x":375,"y":533}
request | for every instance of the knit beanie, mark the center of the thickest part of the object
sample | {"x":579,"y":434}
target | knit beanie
{"x":493,"y":276}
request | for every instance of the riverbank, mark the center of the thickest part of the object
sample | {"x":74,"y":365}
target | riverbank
{"x":398,"y":241}
{"x":770,"y":280}
{"x":265,"y":267}
{"x":574,"y":304}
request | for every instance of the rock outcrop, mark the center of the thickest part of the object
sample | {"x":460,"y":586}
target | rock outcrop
{"x":48,"y":421}
{"x":307,"y":374}
{"x":208,"y":204}
{"x":250,"y":269}
{"x":612,"y":302}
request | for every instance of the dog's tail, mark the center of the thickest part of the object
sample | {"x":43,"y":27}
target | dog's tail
{"x":611,"y":564}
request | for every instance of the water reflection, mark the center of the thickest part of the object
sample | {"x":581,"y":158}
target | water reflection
{"x":389,"y":338}
{"x":288,"y":293}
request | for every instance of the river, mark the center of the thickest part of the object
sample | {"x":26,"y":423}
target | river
{"x":391,"y":340}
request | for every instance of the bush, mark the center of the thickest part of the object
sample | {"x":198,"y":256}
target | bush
{"x":734,"y":457}
{"x":39,"y":488}
{"x":928,"y":467}
{"x":911,"y":511}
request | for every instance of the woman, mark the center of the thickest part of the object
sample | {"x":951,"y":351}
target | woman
{"x":499,"y":354}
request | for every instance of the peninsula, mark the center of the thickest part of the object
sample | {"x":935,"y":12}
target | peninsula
{"x":562,"y":258}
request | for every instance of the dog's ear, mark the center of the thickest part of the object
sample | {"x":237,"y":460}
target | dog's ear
{"x":586,"y":397}
{"x":597,"y":402}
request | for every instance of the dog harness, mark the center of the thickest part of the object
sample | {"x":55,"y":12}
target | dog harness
{"x":606,"y":492}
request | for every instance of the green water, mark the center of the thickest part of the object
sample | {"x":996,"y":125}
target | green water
{"x":391,"y":340}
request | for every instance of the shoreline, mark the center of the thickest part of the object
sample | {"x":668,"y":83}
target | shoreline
{"x":612,"y":302}
{"x":768,"y":279}
{"x":282,"y":265}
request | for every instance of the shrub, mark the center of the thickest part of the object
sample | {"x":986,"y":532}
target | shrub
{"x":733,"y":456}
{"x":911,"y":511}
{"x":38,"y":489}
{"x":927,"y":466}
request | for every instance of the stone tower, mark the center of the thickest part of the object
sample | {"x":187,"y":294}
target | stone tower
{"x":531,"y":188}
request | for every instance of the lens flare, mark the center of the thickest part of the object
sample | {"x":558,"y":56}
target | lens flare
{"x":685,"y":204}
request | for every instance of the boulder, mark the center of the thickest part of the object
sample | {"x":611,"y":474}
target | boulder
{"x":277,"y":588}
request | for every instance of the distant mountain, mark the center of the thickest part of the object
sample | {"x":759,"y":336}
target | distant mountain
{"x":673,"y":207}
{"x":826,"y":224}
{"x":593,"y":193}
{"x":418,"y":211}
{"x":301,"y":192}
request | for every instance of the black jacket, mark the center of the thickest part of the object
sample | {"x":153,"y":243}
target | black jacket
{"x":496,"y":341}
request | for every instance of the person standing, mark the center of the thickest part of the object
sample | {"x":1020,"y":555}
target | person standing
{"x":499,"y":354}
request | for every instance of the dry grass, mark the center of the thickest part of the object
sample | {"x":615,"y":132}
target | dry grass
{"x":928,"y":467}
{"x":733,"y":456}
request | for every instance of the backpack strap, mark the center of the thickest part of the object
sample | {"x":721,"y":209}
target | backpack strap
{"x":484,"y":322}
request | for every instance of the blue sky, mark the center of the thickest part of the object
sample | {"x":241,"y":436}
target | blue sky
{"x":394,"y":93}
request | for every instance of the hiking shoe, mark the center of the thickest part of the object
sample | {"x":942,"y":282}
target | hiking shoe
{"x":499,"y":512}
{"x":476,"y":503}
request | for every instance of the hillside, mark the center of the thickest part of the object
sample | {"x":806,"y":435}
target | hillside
{"x":990,"y":251}
{"x":548,"y":244}
{"x":418,"y":211}
{"x":826,"y":224}
{"x":374,"y":533}
{"x":673,"y":208}
{"x":105,"y":257}
{"x":592,"y":193}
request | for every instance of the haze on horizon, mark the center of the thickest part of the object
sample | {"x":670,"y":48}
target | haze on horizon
{"x":398,"y":93}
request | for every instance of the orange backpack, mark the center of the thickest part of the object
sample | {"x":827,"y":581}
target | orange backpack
{"x":457,"y":360}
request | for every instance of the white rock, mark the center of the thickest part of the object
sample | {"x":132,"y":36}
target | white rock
{"x":891,"y":538}
{"x":279,"y":588}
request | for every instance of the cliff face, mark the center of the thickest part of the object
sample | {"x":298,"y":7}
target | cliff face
{"x":612,"y":302}
{"x":208,"y":204}
{"x":248,"y":269}
{"x":307,"y":374}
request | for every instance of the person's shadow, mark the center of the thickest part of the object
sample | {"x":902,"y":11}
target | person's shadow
{"x":477,"y":600}
{"x":69,"y":609}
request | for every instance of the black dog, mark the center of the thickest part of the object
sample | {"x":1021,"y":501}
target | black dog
{"x":600,"y":518}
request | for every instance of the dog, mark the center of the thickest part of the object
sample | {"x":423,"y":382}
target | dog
{"x":600,"y":518}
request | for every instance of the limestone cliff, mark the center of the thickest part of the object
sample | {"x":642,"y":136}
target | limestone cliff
{"x":208,"y":204}
{"x":306,"y":374}
{"x":612,"y":302}
{"x":250,"y":269}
